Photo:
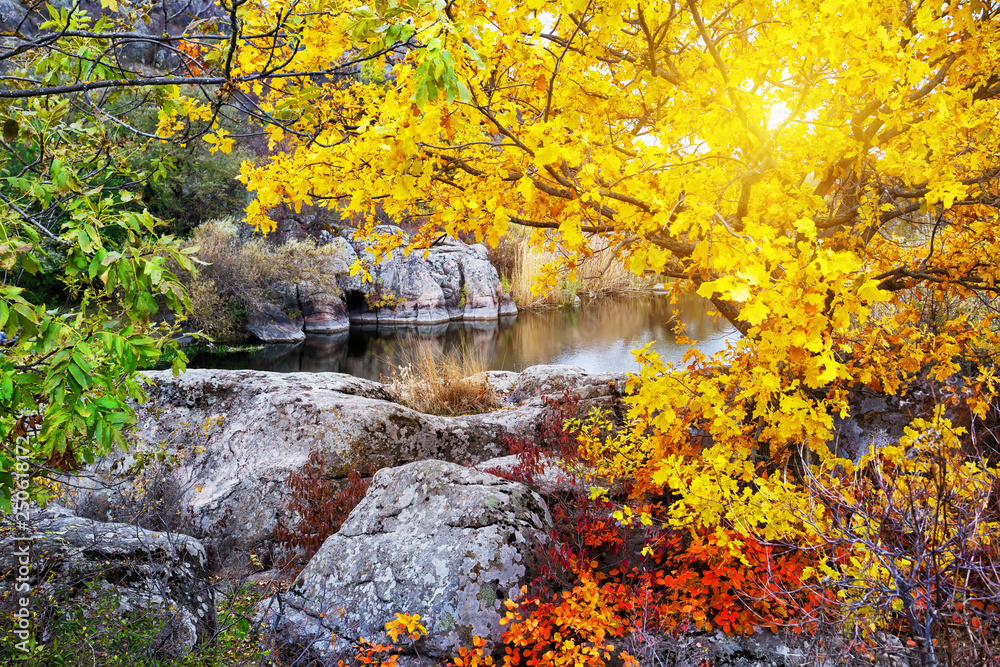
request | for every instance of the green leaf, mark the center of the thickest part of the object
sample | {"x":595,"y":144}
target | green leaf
{"x":10,"y":130}
{"x":474,"y":56}
{"x":79,"y":376}
{"x":29,"y":263}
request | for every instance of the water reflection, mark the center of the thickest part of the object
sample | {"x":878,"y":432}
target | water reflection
{"x":599,"y":336}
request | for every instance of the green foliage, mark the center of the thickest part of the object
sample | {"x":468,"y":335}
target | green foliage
{"x":86,"y":272}
{"x":198,"y":185}
{"x":567,"y":291}
{"x":96,"y":625}
{"x":97,"y":628}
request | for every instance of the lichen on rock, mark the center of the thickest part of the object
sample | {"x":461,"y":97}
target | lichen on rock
{"x":432,"y":538}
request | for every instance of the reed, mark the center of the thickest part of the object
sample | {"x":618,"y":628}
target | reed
{"x":443,"y":383}
{"x":520,"y":261}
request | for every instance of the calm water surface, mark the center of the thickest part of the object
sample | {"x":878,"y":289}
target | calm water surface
{"x":599,"y":335}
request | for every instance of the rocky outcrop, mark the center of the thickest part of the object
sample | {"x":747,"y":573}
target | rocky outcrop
{"x":279,"y":321}
{"x":322,"y":312}
{"x":875,"y":421}
{"x":75,"y":563}
{"x":448,"y":281}
{"x":552,"y":476}
{"x":234,"y":436}
{"x":593,"y":389}
{"x":764,"y":648}
{"x":431,"y":538}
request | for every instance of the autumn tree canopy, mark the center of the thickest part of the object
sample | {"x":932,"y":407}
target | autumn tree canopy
{"x":826,"y":172}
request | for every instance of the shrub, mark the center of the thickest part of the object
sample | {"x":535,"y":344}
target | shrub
{"x":94,"y":626}
{"x":321,"y":502}
{"x":443,"y":384}
{"x":239,"y":274}
{"x":611,"y":576}
{"x":191,"y":182}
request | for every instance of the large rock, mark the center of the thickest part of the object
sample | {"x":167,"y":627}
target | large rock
{"x":448,"y":281}
{"x":26,"y":17}
{"x":74,"y":562}
{"x":279,"y":321}
{"x":593,"y":390}
{"x":431,"y":538}
{"x":764,"y":648}
{"x":236,"y":435}
{"x":322,"y":312}
{"x":549,"y":477}
{"x":479,"y":294}
{"x":12,"y":15}
{"x":409,"y":294}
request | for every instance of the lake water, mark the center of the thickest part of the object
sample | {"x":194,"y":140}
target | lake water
{"x":599,"y":335}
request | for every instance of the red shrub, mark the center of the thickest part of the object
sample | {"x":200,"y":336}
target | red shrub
{"x":321,"y":502}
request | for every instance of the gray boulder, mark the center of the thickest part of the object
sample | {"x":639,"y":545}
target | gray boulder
{"x":450,"y":280}
{"x":765,"y":648}
{"x":552,"y":477}
{"x":322,"y":312}
{"x":234,"y":436}
{"x":279,"y":321}
{"x":76,"y":561}
{"x":874,"y":421}
{"x":409,"y":294}
{"x":594,"y":390}
{"x":503,"y":382}
{"x":12,"y":15}
{"x":431,"y":538}
{"x":507,"y":306}
{"x":140,"y":50}
{"x":470,"y":284}
{"x":342,"y":257}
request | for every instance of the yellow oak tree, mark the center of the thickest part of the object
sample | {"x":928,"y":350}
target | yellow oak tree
{"x":825,"y":171}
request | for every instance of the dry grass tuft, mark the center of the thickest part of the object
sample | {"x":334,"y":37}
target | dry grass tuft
{"x":443,"y":383}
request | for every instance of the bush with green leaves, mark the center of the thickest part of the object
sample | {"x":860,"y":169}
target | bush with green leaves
{"x":197,"y":186}
{"x":87,"y":275}
{"x":100,"y":632}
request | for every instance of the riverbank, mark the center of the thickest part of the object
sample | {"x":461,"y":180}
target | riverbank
{"x":520,"y":257}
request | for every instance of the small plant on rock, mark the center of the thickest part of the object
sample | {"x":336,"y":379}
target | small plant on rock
{"x":321,"y":502}
{"x":377,"y":654}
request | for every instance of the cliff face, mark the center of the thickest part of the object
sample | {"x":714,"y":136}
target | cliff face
{"x":451,"y":281}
